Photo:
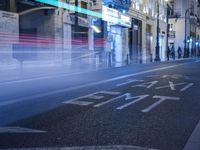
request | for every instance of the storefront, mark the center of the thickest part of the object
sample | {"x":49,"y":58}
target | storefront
{"x":135,"y":42}
{"x":116,"y":33}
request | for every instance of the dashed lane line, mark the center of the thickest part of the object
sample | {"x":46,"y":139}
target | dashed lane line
{"x":193,"y":142}
{"x":19,"y":130}
{"x":187,"y":87}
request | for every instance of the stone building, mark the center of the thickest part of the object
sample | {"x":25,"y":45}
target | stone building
{"x":98,"y":33}
{"x":184,"y":26}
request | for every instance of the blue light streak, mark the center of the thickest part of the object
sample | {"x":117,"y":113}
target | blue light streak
{"x":70,"y":7}
{"x":56,"y":3}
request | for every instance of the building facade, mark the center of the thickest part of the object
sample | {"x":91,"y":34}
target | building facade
{"x":83,"y":33}
{"x":184,"y":26}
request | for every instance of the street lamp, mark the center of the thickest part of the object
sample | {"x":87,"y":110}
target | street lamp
{"x":157,"y":58}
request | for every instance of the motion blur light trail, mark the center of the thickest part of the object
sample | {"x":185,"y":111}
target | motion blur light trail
{"x":34,"y":40}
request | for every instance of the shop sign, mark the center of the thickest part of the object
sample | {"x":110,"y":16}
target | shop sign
{"x":118,"y":4}
{"x":9,"y":22}
{"x":114,"y":16}
{"x":83,"y":22}
{"x":110,"y":15}
{"x":125,"y":20}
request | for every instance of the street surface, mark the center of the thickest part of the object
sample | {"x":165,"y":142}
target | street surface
{"x":145,"y":106}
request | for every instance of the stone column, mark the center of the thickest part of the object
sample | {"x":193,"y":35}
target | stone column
{"x":144,"y":54}
{"x":125,"y":45}
{"x":12,"y":5}
{"x":58,"y":35}
{"x":67,"y":39}
{"x":91,"y":39}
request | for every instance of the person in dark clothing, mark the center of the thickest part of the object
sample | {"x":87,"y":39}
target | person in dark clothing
{"x":173,"y":52}
{"x":168,"y":53}
{"x":179,"y":52}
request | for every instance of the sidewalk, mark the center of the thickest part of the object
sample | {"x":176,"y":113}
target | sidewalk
{"x":30,"y":71}
{"x":15,"y":73}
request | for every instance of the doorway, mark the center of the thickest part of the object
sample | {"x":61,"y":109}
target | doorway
{"x":135,"y":41}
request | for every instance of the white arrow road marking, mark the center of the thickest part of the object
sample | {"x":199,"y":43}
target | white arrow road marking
{"x":187,"y":87}
{"x":137,"y":99}
{"x":113,"y":99}
{"x":162,"y":99}
{"x":171,"y":86}
{"x":19,"y":130}
{"x":129,"y":81}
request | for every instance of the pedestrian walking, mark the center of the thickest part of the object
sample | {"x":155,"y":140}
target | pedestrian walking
{"x":179,"y":52}
{"x":173,"y":52}
{"x":168,"y":53}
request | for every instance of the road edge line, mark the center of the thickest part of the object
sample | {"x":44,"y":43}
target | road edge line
{"x":193,"y":142}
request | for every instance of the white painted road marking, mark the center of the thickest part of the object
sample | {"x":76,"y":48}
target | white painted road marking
{"x":128,"y":82}
{"x":19,"y":130}
{"x":109,"y":92}
{"x":171,"y":86}
{"x":137,"y":99}
{"x":81,"y":103}
{"x":97,"y":97}
{"x":127,"y":95}
{"x":90,"y":96}
{"x":8,"y":102}
{"x":150,"y":76}
{"x":187,"y":87}
{"x":174,"y":76}
{"x":146,"y":85}
{"x":162,"y":99}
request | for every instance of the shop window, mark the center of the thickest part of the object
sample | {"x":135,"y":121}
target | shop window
{"x":4,"y":5}
{"x":83,"y":5}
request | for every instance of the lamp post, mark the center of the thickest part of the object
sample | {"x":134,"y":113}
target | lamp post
{"x":167,"y":22}
{"x":157,"y":58}
{"x":76,"y":16}
{"x":186,"y":50}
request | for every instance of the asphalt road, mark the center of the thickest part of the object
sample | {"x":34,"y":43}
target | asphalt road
{"x":153,"y":106}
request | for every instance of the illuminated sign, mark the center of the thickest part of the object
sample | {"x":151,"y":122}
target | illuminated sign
{"x":114,"y":16}
{"x":125,"y":20}
{"x":118,"y":4}
{"x":110,"y":15}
